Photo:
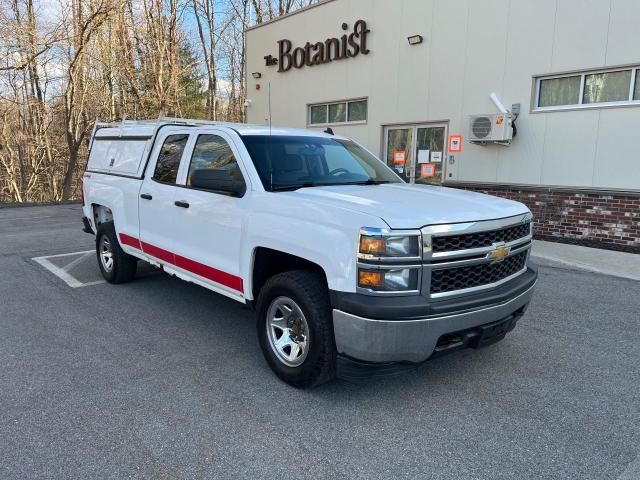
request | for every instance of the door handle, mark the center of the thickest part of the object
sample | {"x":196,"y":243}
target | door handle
{"x":181,"y":204}
{"x":146,"y":196}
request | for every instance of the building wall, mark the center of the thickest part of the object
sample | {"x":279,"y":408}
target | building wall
{"x":471,"y":48}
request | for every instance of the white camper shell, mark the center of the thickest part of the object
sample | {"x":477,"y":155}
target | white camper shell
{"x":121,"y":148}
{"x":116,"y":154}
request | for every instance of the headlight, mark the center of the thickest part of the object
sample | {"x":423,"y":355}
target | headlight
{"x":374,"y":246}
{"x":390,"y":280}
{"x":390,"y":261}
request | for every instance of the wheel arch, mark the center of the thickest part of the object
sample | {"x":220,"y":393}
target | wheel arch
{"x":268,"y":262}
{"x":101,"y":214}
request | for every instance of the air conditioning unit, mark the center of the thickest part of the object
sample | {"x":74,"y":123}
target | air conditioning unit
{"x":491,"y":128}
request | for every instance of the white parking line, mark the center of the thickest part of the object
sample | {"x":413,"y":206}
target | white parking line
{"x":60,"y":255}
{"x":77,"y":260}
{"x":63,"y":273}
{"x":632,"y":472}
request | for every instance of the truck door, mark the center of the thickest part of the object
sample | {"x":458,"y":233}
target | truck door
{"x":156,"y":202}
{"x":211,"y":221}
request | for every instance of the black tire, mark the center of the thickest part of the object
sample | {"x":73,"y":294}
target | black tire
{"x":309,"y":291}
{"x":124,"y":266}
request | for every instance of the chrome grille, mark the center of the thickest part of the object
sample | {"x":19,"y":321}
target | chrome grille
{"x":460,"y":278}
{"x":461,"y":258}
{"x":480,"y":239}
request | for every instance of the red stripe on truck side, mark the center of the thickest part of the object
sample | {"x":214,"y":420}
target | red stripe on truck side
{"x":210,"y":273}
{"x":157,"y":252}
{"x":205,"y":271}
{"x":130,"y":241}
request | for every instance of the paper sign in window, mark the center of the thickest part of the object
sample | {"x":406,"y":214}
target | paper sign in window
{"x":399,"y":157}
{"x":436,"y":157}
{"x":427,"y":170}
{"x":423,"y":156}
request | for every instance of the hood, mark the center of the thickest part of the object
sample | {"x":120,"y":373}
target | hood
{"x":404,"y":206}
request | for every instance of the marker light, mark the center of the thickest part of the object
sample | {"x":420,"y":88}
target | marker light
{"x":392,"y":280}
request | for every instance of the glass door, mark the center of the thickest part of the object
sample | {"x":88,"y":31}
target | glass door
{"x":417,"y":153}
{"x":430,"y":154}
{"x":399,"y":146}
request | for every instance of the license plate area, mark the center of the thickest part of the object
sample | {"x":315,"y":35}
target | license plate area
{"x":493,"y":332}
{"x":477,"y":337}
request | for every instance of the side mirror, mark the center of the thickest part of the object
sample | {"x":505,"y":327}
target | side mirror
{"x":217,"y":180}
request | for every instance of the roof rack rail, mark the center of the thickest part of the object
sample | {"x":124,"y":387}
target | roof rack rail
{"x":156,"y":125}
{"x":161,"y":120}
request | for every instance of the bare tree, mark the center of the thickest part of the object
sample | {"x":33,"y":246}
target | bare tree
{"x":204,"y":11}
{"x":75,"y":60}
{"x":85,"y":24}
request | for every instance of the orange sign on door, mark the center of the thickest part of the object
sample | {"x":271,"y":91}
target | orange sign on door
{"x":428,"y":170}
{"x":399,"y":157}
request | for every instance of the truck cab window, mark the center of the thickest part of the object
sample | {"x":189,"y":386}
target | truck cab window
{"x":169,"y":158}
{"x":213,"y":151}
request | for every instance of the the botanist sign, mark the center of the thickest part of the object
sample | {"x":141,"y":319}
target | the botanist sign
{"x":347,"y":46}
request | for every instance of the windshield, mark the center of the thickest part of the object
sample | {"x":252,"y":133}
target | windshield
{"x":289,"y":162}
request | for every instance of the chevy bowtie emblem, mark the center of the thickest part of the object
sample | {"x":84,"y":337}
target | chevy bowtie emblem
{"x":500,"y":253}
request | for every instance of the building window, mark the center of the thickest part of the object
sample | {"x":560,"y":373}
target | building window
{"x":318,"y":114}
{"x":358,"y":111}
{"x":607,"y":87}
{"x":349,"y":111}
{"x":588,"y":89}
{"x":338,"y":113}
{"x":559,"y":91}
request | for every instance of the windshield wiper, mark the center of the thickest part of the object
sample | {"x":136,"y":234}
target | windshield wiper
{"x":296,"y":186}
{"x":370,"y":181}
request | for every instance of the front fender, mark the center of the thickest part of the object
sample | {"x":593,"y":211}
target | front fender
{"x":325,"y":236}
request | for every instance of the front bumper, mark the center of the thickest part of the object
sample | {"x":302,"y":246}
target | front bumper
{"x":414,"y":340}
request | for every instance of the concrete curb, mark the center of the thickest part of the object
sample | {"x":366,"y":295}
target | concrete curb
{"x":606,"y":262}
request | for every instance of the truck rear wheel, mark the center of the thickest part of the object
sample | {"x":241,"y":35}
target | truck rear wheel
{"x":295,"y":328}
{"x":115,"y":265}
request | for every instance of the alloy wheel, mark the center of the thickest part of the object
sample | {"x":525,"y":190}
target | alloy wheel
{"x":288,"y":331}
{"x":106,"y":254}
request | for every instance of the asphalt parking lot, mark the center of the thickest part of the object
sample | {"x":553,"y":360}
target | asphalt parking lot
{"x":163,"y":379}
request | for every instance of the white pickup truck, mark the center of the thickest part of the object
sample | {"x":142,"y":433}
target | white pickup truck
{"x":338,"y":256}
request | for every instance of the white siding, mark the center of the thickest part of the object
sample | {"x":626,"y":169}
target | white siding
{"x":580,"y":39}
{"x":570,"y":147}
{"x":471,"y":48}
{"x":617,"y":161}
{"x":622,"y":44}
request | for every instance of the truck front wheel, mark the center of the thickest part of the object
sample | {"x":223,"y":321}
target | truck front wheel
{"x":115,"y":265}
{"x":295,"y":328}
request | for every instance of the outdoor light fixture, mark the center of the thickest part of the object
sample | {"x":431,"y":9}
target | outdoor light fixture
{"x":415,"y":39}
{"x":256,"y":75}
